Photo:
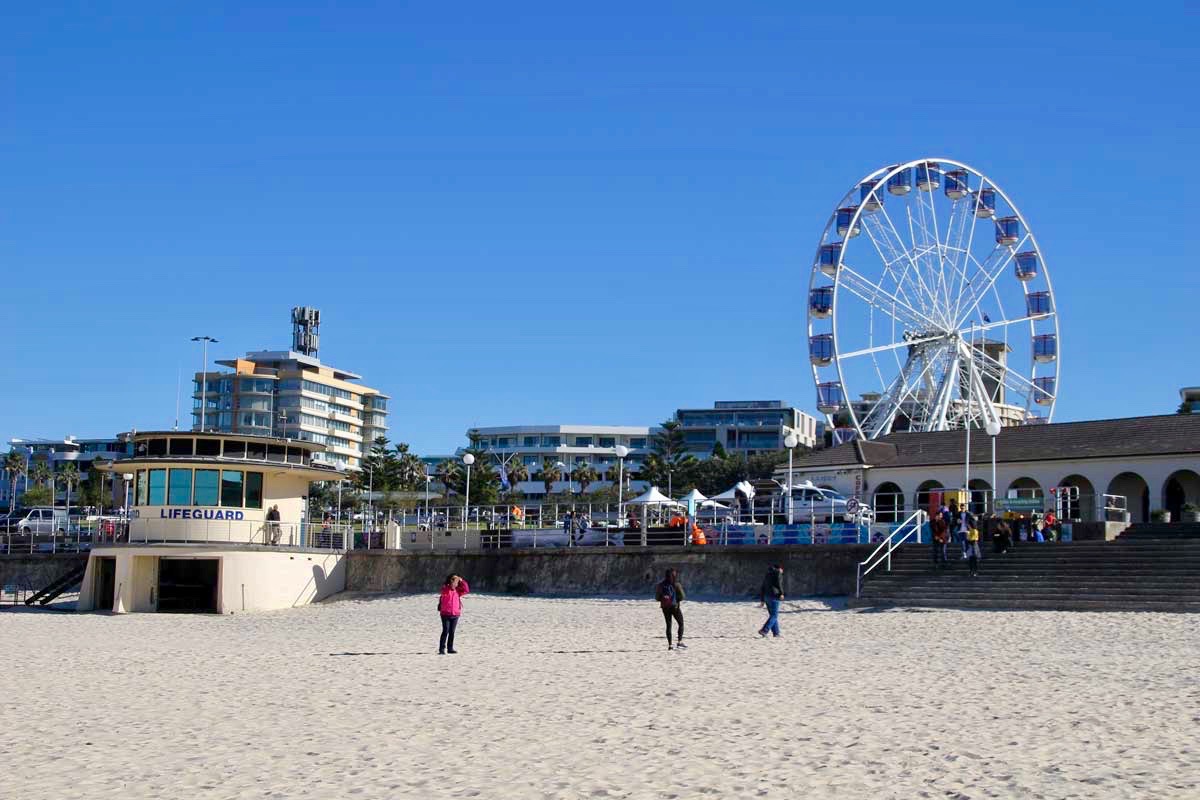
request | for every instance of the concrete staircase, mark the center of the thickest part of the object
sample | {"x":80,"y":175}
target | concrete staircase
{"x":1164,"y":531}
{"x":1138,"y":573}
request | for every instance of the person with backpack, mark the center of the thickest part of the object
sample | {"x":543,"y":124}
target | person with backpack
{"x":771,"y":595}
{"x":450,"y":609}
{"x":669,"y":594}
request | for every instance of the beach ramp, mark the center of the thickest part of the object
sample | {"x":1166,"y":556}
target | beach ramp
{"x":51,"y":592}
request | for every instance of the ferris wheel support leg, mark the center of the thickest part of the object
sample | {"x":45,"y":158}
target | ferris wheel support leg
{"x":941,"y":405}
{"x":987,"y":409}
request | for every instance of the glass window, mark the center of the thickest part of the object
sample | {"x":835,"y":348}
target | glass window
{"x":256,"y":450}
{"x":551,"y":441}
{"x":276,"y":452}
{"x":157,"y":494}
{"x":156,"y":447}
{"x":529,"y":441}
{"x":180,"y":447}
{"x":637,"y":442}
{"x":608,"y":441}
{"x":206,"y":487}
{"x":295,"y":455}
{"x":235,"y":449}
{"x":179,"y":490}
{"x":208,"y":447}
{"x":583,"y":441}
{"x":231,"y":487}
{"x":140,"y":490}
{"x":254,"y":486}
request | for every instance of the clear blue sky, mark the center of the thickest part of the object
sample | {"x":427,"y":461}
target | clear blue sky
{"x":522,"y":213}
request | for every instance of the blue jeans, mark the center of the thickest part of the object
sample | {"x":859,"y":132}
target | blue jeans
{"x":772,"y":624}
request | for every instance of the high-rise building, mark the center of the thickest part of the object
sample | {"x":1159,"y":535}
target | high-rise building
{"x":291,"y":394}
{"x":746,"y":426}
{"x":573,"y":446}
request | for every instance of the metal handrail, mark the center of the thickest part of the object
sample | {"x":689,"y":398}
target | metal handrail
{"x":913,"y":523}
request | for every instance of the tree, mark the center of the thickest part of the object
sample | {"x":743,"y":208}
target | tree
{"x":374,"y":472}
{"x":668,"y":453}
{"x":1184,"y":408}
{"x":14,"y":467}
{"x":91,"y":492}
{"x":718,"y":450}
{"x":68,"y":476}
{"x":450,"y":473}
{"x":550,"y":473}
{"x":408,"y":469}
{"x":38,"y":496}
{"x":517,"y":473}
{"x":585,"y":476}
{"x":41,"y":474}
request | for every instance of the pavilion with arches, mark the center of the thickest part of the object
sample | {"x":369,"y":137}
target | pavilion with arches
{"x":1076,"y":469}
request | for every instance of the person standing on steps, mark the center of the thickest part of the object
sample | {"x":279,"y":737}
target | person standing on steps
{"x":972,"y":543}
{"x":938,"y":537}
{"x":450,"y":609}
{"x":771,"y":595}
{"x":669,"y":594}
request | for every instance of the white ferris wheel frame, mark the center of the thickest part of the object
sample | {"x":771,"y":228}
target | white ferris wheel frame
{"x":852,"y":197}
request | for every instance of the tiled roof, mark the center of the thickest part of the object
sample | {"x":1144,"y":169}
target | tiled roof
{"x":1109,"y":438}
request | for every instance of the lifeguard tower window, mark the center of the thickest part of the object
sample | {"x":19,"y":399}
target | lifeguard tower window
{"x":208,"y":447}
{"x":156,"y":447}
{"x":187,"y":585}
{"x":277,"y":452}
{"x":235,"y":449}
{"x":181,"y":447}
{"x":256,"y":451}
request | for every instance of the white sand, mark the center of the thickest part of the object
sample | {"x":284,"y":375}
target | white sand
{"x":580,"y":698}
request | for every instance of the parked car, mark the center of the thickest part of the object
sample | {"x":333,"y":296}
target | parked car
{"x":813,"y":504}
{"x":42,"y":519}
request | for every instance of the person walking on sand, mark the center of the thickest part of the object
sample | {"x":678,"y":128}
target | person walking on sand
{"x":770,"y":596}
{"x":450,"y":609}
{"x":669,"y":594}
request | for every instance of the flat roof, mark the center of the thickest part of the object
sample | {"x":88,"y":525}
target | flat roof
{"x":618,"y":430}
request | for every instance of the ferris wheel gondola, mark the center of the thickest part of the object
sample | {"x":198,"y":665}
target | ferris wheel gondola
{"x":930,"y":306}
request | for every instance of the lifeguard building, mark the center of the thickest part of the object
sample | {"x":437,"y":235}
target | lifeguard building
{"x":201,"y":536}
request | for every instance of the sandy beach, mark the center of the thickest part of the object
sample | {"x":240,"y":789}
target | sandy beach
{"x":566,"y":698}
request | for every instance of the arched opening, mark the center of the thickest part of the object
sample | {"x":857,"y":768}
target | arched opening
{"x":980,"y":497}
{"x":1181,"y":488}
{"x":1023,"y":488}
{"x":1133,"y":488}
{"x":888,"y":502}
{"x":1075,"y":499}
{"x":921,"y":499}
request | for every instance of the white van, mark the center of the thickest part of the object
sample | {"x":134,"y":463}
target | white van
{"x":43,"y":519}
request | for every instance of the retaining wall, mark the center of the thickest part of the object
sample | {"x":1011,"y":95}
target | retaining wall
{"x":34,"y":571}
{"x":726,"y":572}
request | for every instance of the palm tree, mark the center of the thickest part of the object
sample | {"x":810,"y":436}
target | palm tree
{"x":14,"y":466}
{"x":41,"y":473}
{"x":550,"y":473}
{"x":585,"y":476}
{"x":410,"y":469}
{"x":68,"y":476}
{"x":449,"y":473}
{"x":517,"y":473}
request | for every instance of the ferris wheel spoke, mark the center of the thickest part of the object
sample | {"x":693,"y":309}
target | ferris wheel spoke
{"x":995,"y":275}
{"x":940,"y":405}
{"x":1007,"y":375}
{"x":893,"y":346}
{"x":920,"y":253}
{"x":874,"y":295}
{"x":899,"y":244}
{"x":879,"y":419}
{"x":890,"y":259}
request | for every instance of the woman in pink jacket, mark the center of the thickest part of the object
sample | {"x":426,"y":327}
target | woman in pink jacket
{"x":450,"y":607}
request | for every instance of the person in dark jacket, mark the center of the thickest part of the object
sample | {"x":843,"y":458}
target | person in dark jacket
{"x":771,"y":595}
{"x":670,"y":595}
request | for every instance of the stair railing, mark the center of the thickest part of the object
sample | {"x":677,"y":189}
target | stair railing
{"x":910,"y":527}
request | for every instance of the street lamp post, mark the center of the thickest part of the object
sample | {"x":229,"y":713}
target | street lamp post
{"x":428,"y":521}
{"x":621,"y":451}
{"x":128,"y":478}
{"x":562,"y":471}
{"x":203,"y":377}
{"x":993,"y":430}
{"x":790,"y":441}
{"x":468,"y":459}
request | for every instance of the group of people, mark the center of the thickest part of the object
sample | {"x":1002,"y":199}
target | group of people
{"x":668,"y":593}
{"x":952,"y":525}
{"x":576,"y":524}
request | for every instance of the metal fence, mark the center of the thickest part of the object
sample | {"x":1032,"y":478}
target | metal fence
{"x":81,"y":535}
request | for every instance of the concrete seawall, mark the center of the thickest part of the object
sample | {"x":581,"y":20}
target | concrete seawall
{"x":34,"y":571}
{"x":727,"y":572}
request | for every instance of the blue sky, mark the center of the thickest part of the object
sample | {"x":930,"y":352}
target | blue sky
{"x":522,"y":213}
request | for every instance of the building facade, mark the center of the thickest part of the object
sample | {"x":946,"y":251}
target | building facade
{"x":571,"y":445}
{"x":1077,"y":469}
{"x":291,"y":395}
{"x":746,"y":427}
{"x":56,"y":454}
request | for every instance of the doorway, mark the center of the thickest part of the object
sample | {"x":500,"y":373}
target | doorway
{"x":187,"y":585}
{"x":104,"y":593}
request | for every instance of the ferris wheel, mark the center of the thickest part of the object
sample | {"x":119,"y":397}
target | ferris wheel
{"x":930,"y":307}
